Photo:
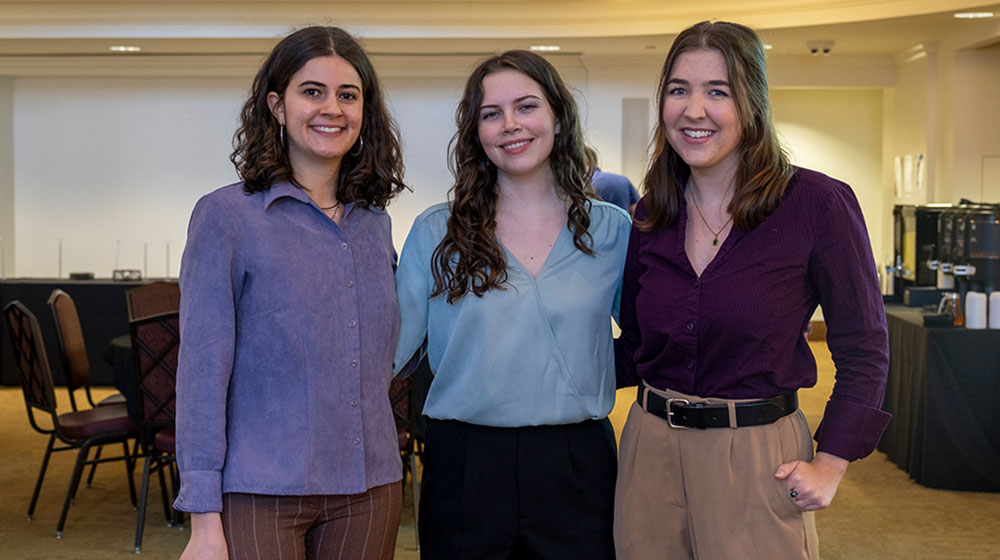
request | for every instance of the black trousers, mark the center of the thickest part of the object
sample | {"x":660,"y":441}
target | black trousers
{"x":540,"y":492}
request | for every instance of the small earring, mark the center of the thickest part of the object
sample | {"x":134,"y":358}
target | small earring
{"x":358,"y":147}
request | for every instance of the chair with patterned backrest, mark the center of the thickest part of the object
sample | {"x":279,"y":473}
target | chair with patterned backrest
{"x":79,"y":430}
{"x":155,"y":342}
{"x":152,"y":299}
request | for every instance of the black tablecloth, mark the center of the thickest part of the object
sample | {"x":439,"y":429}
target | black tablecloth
{"x":944,"y":394}
{"x":103,"y":316}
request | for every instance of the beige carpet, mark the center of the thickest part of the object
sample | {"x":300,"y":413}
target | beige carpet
{"x":878,"y":512}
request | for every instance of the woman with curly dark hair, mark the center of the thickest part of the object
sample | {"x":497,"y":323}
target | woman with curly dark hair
{"x":285,"y":437}
{"x":513,"y":284}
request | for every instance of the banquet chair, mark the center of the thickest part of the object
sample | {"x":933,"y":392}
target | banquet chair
{"x":78,"y":430}
{"x":152,"y":299}
{"x":73,"y":354}
{"x":155,"y":341}
{"x":73,"y":349}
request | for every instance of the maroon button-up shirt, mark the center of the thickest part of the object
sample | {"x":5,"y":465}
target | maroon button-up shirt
{"x":736,"y":331}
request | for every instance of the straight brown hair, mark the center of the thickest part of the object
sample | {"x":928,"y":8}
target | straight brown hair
{"x":764,"y":169}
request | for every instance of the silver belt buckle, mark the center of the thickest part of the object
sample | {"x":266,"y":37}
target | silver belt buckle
{"x":670,"y":413}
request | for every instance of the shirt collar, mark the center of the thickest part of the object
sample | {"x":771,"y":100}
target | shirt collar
{"x":283,"y":189}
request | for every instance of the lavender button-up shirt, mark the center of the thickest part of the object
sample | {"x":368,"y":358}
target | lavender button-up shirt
{"x":736,"y":332}
{"x":288,"y":327}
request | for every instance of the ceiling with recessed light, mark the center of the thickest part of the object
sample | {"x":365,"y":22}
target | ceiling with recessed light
{"x":71,"y":28}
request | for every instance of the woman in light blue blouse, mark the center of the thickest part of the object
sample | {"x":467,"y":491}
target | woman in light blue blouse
{"x":512,"y":284}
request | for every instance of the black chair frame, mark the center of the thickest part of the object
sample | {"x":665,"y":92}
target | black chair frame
{"x":157,"y":407}
{"x":74,"y":380}
{"x":39,"y":393}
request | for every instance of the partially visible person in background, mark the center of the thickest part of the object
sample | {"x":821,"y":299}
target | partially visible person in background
{"x":614,"y":188}
{"x":286,"y":442}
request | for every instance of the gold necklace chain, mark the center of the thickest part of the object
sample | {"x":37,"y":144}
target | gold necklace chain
{"x":715,"y":240}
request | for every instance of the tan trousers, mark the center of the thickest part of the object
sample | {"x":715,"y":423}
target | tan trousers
{"x":710,"y":494}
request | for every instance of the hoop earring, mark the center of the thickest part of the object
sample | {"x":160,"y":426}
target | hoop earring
{"x":360,"y":145}
{"x":281,"y":135}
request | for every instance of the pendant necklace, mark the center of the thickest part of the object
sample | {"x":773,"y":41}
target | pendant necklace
{"x":715,"y":240}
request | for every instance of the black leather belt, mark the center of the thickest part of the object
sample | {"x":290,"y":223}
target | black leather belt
{"x":679,"y":413}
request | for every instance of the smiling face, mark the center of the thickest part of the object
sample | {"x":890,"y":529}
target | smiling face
{"x":321,"y":110}
{"x":517,"y":126}
{"x":699,"y":114}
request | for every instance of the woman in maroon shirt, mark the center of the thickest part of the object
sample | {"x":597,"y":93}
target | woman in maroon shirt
{"x":732,"y":250}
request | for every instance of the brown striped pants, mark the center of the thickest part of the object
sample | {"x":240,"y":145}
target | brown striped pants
{"x":353,"y":527}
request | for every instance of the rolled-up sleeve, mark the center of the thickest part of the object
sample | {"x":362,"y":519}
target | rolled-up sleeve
{"x":843,"y":269}
{"x":209,"y":281}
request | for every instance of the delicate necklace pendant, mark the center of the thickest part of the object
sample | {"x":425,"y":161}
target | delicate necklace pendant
{"x":715,"y":241}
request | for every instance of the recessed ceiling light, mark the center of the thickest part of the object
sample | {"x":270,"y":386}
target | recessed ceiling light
{"x":768,"y":47}
{"x":545,"y":48}
{"x":124,"y":48}
{"x":974,"y":15}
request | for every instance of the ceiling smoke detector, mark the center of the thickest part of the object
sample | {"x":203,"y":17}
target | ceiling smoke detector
{"x":820,"y":48}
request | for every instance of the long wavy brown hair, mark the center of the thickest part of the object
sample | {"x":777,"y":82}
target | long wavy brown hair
{"x":370,"y":174}
{"x":469,"y":257}
{"x":764,"y":169}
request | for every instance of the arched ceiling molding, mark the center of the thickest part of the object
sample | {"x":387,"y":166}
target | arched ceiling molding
{"x":441,"y":18}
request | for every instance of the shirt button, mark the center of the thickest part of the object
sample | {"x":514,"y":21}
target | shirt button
{"x":354,"y":363}
{"x":357,"y":441}
{"x":354,"y":403}
{"x":690,"y":325}
{"x":690,"y":364}
{"x":350,"y":283}
{"x":352,"y":324}
{"x":343,"y":245}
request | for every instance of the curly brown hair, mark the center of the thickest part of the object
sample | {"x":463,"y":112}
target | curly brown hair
{"x":764,"y":169}
{"x":371,"y":176}
{"x":469,"y":257}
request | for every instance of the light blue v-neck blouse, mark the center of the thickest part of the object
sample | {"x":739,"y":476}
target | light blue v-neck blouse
{"x":538,"y":352}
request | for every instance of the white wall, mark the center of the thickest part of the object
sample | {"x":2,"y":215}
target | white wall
{"x":6,"y":178}
{"x":97,"y":160}
{"x":127,"y":158}
{"x":839,"y":133}
{"x":424,"y":109}
{"x":102,"y":160}
{"x":609,"y":81}
{"x":977,"y":124}
{"x":911,"y":125}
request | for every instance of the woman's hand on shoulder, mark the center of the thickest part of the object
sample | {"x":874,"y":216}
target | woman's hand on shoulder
{"x":208,"y":541}
{"x":812,"y":484}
